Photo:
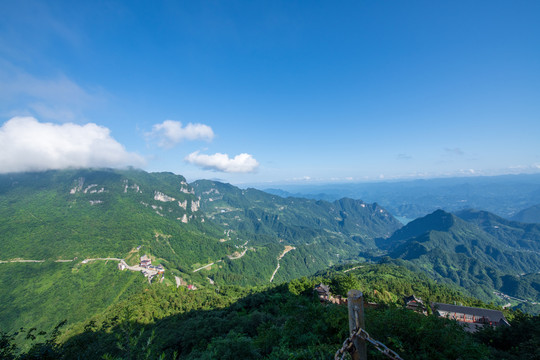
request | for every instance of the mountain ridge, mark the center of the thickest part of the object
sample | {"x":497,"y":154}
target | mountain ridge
{"x":448,"y":247}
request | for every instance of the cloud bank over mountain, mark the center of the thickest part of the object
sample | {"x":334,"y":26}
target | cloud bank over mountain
{"x":30,"y":145}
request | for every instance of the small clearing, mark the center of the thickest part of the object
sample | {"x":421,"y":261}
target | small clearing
{"x":237,"y":255}
{"x":354,"y":268}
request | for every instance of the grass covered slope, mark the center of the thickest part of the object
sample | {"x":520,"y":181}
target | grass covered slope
{"x":80,"y":214}
{"x":100,"y":213}
{"x":43,"y":294}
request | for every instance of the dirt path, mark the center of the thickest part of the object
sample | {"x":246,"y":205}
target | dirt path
{"x":287,"y":249}
{"x":205,"y":266}
{"x":354,"y":268}
{"x":21,"y":261}
{"x":100,"y":259}
{"x":231,"y":257}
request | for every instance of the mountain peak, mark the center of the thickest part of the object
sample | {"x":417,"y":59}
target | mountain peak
{"x":438,"y":220}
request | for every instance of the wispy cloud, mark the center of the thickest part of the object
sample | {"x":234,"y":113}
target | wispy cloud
{"x":30,"y":145}
{"x":242,"y":163}
{"x":454,"y":151}
{"x":170,"y":132}
{"x":303,"y":178}
{"x":403,"y":156}
{"x":53,"y":98}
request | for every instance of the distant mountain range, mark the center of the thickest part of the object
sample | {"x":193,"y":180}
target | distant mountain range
{"x":504,"y":195}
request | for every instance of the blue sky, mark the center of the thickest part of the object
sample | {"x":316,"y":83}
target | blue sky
{"x":272,"y":91}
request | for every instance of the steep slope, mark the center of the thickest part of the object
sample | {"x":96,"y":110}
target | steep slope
{"x":43,"y":294}
{"x":513,"y":233}
{"x":293,"y":219}
{"x":272,"y":322}
{"x":448,"y":247}
{"x":528,"y":215}
{"x":99,"y":213}
{"x":60,"y":218}
{"x":317,"y":234}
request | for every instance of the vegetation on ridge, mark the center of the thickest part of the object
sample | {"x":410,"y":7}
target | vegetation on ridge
{"x":282,"y":322}
{"x":215,"y":235}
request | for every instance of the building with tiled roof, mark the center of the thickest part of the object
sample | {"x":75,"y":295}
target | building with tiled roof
{"x":414,"y":303}
{"x":473,"y":317}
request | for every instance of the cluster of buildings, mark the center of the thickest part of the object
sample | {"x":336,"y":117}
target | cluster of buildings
{"x":473,"y":318}
{"x":146,"y":263}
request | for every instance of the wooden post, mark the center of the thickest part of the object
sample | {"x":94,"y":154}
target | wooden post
{"x":355,"y":302}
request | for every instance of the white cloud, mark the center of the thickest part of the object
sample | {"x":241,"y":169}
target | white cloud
{"x":242,"y":163}
{"x":303,"y":178}
{"x":171,"y":132}
{"x":30,"y":145}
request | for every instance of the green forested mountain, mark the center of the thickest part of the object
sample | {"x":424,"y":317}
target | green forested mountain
{"x":274,"y":322}
{"x":450,"y":248}
{"x":321,"y":233}
{"x":42,"y":294}
{"x":98,"y":213}
{"x":295,"y":220}
{"x":517,"y":235}
{"x":283,"y":321}
{"x":528,"y":215}
{"x":60,"y":218}
{"x":246,"y":251}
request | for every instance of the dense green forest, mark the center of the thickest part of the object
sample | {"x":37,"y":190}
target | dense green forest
{"x":73,"y":215}
{"x":254,"y":258}
{"x":43,"y":293}
{"x":480,"y":252}
{"x":285,"y":321}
